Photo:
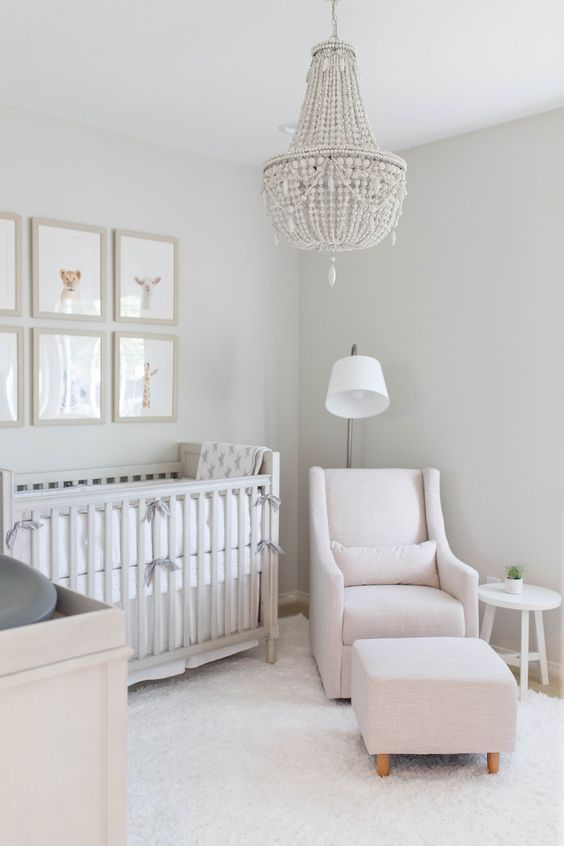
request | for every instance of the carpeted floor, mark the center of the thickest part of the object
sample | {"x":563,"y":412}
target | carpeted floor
{"x":241,"y":752}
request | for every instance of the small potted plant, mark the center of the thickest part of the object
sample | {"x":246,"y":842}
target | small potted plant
{"x":514,"y":578}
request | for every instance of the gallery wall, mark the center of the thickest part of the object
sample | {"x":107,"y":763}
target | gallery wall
{"x":465,"y":315}
{"x":238,"y":296}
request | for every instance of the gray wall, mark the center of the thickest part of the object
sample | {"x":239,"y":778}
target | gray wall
{"x":238,"y":294}
{"x":465,"y":315}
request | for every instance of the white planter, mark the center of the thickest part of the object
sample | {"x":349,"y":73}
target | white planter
{"x":514,"y":586}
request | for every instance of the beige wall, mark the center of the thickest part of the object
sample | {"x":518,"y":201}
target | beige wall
{"x":465,"y":315}
{"x":239,"y":294}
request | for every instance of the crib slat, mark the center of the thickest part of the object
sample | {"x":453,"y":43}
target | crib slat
{"x":186,"y":582}
{"x":227,"y":562}
{"x":73,"y":545}
{"x":274,"y":558}
{"x":91,"y":549}
{"x":241,"y":561}
{"x":172,"y":575}
{"x":201,"y":568}
{"x":214,"y":545}
{"x":265,"y":570}
{"x":54,"y":545}
{"x":35,"y":542}
{"x":253,"y":511}
{"x":124,"y":538}
{"x":157,"y":553}
{"x":108,"y":552}
{"x":141,"y":598}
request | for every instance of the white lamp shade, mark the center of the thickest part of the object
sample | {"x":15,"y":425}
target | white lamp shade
{"x":357,"y":388}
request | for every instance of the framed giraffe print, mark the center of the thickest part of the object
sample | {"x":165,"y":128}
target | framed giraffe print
{"x":10,"y":264}
{"x":146,"y":277}
{"x":145,"y":377}
{"x":68,"y":376}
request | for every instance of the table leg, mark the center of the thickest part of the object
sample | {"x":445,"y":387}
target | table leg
{"x":524,"y":658}
{"x":487,"y":623}
{"x":541,"y":646}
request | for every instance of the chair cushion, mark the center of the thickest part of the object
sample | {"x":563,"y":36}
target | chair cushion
{"x":374,"y":611}
{"x":376,"y":507}
{"x":413,"y":564}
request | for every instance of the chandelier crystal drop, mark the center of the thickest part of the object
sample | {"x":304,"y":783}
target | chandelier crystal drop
{"x":334,"y":189}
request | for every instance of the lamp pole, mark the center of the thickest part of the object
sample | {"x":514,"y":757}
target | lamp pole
{"x":350,"y":426}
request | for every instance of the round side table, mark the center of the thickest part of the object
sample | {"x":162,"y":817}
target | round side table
{"x":537,"y":599}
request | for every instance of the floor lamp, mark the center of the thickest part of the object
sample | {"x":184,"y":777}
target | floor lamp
{"x":356,"y":389}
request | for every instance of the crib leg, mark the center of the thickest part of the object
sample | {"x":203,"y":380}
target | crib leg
{"x":271,"y":650}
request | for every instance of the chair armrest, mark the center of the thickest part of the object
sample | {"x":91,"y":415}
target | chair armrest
{"x":325,"y":592}
{"x":460,"y":581}
{"x":326,"y":618}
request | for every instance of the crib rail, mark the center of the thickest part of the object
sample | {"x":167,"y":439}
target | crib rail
{"x":54,"y":497}
{"x":97,"y":476}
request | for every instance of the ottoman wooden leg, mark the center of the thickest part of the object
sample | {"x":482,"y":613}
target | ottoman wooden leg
{"x":493,"y":762}
{"x":383,"y":765}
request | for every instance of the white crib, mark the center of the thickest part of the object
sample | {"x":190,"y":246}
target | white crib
{"x":193,"y":564}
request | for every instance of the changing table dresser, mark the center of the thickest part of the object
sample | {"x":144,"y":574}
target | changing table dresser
{"x":63,"y":727}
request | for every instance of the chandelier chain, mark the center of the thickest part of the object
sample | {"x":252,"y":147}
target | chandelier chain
{"x":334,"y":17}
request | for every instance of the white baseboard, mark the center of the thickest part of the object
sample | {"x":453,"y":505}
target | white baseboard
{"x":293,"y":596}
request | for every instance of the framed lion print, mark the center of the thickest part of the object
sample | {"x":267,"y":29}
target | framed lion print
{"x":68,"y":270}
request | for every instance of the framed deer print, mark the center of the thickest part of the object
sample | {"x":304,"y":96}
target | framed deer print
{"x":11,"y":376}
{"x":145,"y":377}
{"x":10,"y":264}
{"x":146,"y":274}
{"x":68,"y":376}
{"x":68,"y":270}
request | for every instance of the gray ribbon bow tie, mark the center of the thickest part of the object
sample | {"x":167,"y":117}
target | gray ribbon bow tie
{"x":21,"y":524}
{"x":165,"y":562}
{"x":154,"y":506}
{"x":270,"y":544}
{"x":274,"y":500}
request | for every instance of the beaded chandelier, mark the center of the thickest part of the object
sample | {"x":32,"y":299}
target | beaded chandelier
{"x":334,"y":189}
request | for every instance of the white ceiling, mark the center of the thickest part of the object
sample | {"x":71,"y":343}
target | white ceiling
{"x":219,"y":76}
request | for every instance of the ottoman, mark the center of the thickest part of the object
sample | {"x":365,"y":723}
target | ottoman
{"x":435,"y":695}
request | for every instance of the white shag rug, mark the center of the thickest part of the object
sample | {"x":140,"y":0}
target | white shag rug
{"x":242,"y":752}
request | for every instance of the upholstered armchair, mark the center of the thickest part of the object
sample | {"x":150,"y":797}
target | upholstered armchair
{"x":376,"y":509}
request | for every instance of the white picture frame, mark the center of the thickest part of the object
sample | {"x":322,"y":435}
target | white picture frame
{"x":11,"y":376}
{"x":68,"y":270}
{"x":10,"y":264}
{"x":145,"y":377}
{"x":69,"y":384}
{"x":146,"y":277}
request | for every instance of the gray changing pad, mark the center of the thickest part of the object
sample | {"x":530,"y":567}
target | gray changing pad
{"x":26,"y":596}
